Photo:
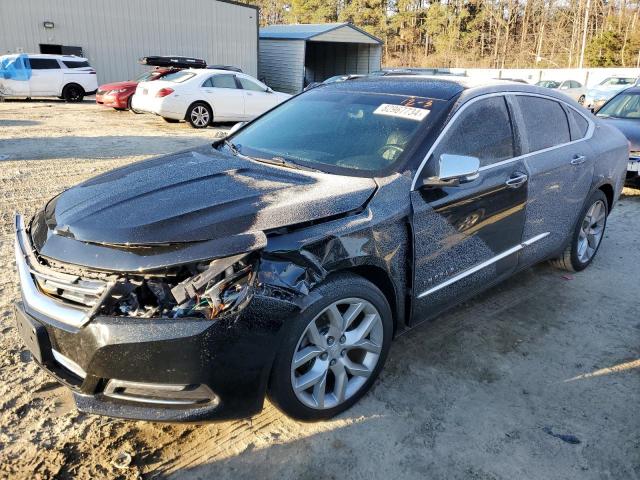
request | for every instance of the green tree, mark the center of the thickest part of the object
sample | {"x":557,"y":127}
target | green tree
{"x":313,"y":11}
{"x":603,"y":50}
{"x":370,"y":15}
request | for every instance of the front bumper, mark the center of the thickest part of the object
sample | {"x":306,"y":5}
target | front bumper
{"x":108,"y":361}
{"x":113,"y":101}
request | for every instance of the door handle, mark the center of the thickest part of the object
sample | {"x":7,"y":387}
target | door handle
{"x":517,"y":179}
{"x":578,"y":160}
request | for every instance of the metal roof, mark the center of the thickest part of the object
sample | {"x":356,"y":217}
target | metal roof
{"x":306,"y":31}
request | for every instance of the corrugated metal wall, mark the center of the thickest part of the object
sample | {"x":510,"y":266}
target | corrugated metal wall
{"x":115,"y":33}
{"x":282,"y":64}
{"x":285,"y":63}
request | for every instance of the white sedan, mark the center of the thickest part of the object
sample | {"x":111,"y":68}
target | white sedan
{"x":201,"y":96}
{"x":571,"y":88}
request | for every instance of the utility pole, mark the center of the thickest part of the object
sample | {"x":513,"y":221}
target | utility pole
{"x":584,"y":33}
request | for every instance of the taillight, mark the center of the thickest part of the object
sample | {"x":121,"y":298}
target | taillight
{"x":163,"y":92}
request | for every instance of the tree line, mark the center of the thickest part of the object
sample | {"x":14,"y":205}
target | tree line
{"x":482,"y":33}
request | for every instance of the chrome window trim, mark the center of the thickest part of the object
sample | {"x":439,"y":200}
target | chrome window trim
{"x":482,"y":265}
{"x":455,"y":116}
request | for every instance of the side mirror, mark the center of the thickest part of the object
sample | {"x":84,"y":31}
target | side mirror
{"x":454,"y":170}
{"x":235,"y":128}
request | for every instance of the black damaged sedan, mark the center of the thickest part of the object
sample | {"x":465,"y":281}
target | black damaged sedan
{"x":282,"y":260}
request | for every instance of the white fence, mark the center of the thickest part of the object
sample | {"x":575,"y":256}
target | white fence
{"x":586,"y":76}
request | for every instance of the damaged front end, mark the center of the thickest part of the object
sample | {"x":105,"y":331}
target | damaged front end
{"x":202,"y":290}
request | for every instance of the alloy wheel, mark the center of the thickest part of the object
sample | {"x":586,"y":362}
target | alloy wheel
{"x":200,"y":116}
{"x":337,"y":353}
{"x":591,"y":231}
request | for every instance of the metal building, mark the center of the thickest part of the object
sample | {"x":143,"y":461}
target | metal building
{"x":114,"y":34}
{"x":292,"y":56}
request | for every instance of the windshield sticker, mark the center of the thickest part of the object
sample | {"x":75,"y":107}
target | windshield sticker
{"x":400,"y":111}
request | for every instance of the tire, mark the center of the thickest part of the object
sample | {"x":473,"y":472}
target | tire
{"x":170,"y":120}
{"x":73,"y":93}
{"x":578,"y":255}
{"x":130,"y":108}
{"x":332,"y":357}
{"x":581,"y":99}
{"x":199,"y":115}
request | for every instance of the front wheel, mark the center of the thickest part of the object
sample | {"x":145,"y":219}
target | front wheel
{"x":199,"y":115}
{"x":587,"y":235}
{"x":581,"y":99}
{"x":333,"y":351}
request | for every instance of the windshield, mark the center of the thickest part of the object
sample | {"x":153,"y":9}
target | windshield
{"x":339,"y":129}
{"x":145,"y":76}
{"x":178,"y":77}
{"x":613,"y":81}
{"x":625,"y":105}
{"x":548,"y":84}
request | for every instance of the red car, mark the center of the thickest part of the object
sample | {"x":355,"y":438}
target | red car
{"x":118,"y":95}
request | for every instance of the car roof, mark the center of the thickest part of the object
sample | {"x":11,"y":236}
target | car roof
{"x":438,"y":87}
{"x":56,"y":57}
{"x":426,"y":86}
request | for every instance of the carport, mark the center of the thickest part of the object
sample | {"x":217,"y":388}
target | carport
{"x":292,"y":56}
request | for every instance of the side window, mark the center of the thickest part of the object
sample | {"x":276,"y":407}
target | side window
{"x":44,"y":63}
{"x":575,"y":84}
{"x":580,"y":125}
{"x":221,"y":81}
{"x":74,"y":64}
{"x":545,"y":122}
{"x":483,"y":130}
{"x":250,"y":85}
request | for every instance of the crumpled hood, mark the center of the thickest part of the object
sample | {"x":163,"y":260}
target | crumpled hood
{"x":630,"y":128}
{"x":117,"y":86}
{"x":194,"y":196}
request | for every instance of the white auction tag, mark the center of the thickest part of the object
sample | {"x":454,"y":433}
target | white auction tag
{"x":410,"y":113}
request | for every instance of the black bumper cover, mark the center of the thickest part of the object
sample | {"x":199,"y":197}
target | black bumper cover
{"x":231,"y":355}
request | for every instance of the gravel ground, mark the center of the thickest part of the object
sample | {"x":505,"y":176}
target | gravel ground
{"x":502,"y":387}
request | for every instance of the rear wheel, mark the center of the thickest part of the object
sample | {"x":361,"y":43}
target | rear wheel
{"x":73,"y":93}
{"x":130,"y":107}
{"x":587,"y":235}
{"x":333,"y":351}
{"x":199,"y":115}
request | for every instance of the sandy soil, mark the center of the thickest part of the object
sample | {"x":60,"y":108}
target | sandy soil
{"x":477,"y":394}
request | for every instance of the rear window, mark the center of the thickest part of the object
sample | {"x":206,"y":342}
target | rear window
{"x":178,"y":77}
{"x":75,"y":64}
{"x":545,"y":122}
{"x":44,"y":63}
{"x":580,"y":125}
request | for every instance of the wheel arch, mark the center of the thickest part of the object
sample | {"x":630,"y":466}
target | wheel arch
{"x":608,"y":191}
{"x":381,"y":279}
{"x":213,"y":112}
{"x":74,"y":84}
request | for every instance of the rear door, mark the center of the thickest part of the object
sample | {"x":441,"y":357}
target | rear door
{"x":468,"y":236}
{"x":560,"y":164}
{"x":224,"y":96}
{"x":257,"y":98}
{"x":46,"y":77}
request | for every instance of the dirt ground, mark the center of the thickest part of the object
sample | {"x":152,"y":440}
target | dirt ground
{"x":538,"y":378}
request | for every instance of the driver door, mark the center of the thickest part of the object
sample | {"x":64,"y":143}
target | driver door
{"x":467,"y":236}
{"x":222,"y":93}
{"x":257,"y":98}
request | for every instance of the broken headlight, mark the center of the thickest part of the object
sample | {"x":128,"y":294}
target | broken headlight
{"x":205,"y":290}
